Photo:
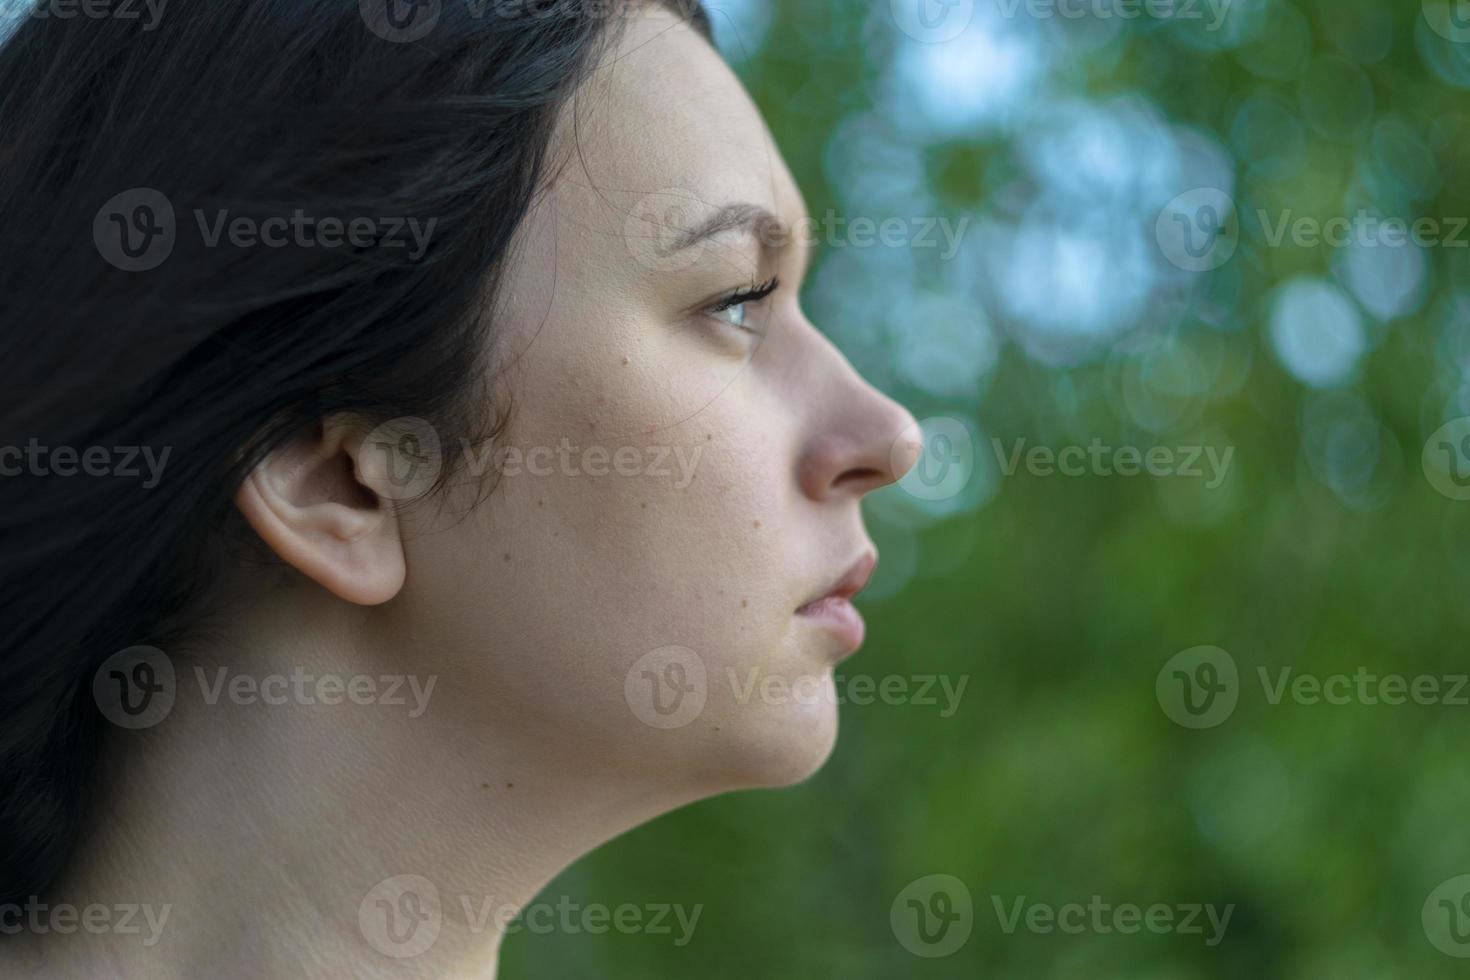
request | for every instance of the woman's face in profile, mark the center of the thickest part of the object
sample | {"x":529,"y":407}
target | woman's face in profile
{"x":631,"y":597}
{"x":678,"y":482}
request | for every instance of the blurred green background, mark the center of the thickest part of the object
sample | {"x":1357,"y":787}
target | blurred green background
{"x":1074,"y":147}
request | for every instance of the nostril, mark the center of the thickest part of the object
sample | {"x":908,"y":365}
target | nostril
{"x":862,"y":451}
{"x":862,"y":479}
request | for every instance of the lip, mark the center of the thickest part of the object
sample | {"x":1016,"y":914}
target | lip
{"x":833,"y":609}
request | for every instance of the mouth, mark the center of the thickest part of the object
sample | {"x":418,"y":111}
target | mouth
{"x":833,"y":609}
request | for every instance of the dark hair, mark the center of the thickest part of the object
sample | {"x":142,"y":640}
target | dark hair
{"x":219,"y":354}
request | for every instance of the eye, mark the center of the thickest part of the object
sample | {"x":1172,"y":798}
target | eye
{"x":735,"y":308}
{"x":733,"y":315}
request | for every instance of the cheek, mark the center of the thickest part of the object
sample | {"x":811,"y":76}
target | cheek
{"x":669,"y":533}
{"x":624,"y":594}
{"x":671,"y":477}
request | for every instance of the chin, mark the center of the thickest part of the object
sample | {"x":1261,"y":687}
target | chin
{"x":781,"y":745}
{"x":800,"y":758}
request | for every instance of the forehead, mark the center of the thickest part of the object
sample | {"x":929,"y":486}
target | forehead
{"x":663,"y":114}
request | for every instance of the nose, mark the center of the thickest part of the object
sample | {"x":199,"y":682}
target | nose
{"x":863,"y":441}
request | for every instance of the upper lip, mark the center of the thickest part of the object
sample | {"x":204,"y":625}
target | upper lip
{"x":853,"y":581}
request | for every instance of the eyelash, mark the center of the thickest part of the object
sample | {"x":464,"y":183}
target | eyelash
{"x":753,"y":294}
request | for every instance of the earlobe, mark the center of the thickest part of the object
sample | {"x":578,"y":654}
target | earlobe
{"x":309,"y":505}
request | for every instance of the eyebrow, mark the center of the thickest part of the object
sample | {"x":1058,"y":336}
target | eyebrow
{"x":752,"y":218}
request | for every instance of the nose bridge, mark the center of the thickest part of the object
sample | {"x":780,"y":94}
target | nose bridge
{"x":857,"y":439}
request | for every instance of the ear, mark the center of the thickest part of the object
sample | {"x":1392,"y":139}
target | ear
{"x":327,"y":508}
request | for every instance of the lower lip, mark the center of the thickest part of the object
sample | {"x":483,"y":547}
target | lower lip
{"x":839,"y":617}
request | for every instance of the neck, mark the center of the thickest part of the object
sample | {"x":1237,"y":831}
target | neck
{"x":306,"y":839}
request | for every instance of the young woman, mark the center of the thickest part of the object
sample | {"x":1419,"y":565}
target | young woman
{"x":418,"y":470}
